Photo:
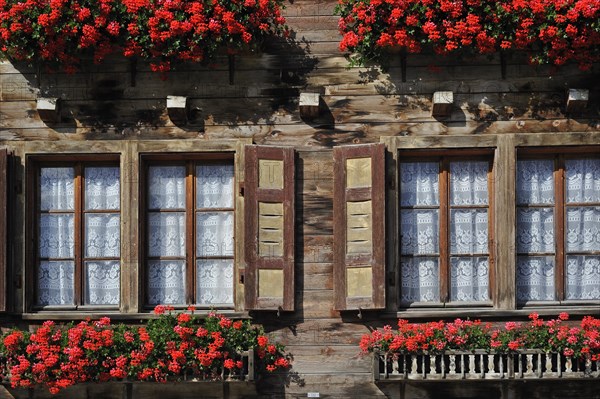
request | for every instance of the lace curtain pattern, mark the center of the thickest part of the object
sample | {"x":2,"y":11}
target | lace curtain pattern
{"x":536,"y":229}
{"x":214,"y":234}
{"x":101,"y":236}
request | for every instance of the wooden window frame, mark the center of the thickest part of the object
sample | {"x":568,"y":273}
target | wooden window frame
{"x":78,"y":162}
{"x":4,"y":228}
{"x":190,"y":160}
{"x":444,"y":157}
{"x":558,"y":156}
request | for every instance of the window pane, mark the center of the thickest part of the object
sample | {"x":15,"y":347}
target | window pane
{"x":214,"y":234}
{"x":535,"y":181}
{"x":583,"y":277}
{"x":420,"y":280}
{"x":166,"y":187}
{"x":166,"y":282}
{"x":468,"y":183}
{"x":535,"y":278}
{"x":469,"y":231}
{"x":102,"y":188}
{"x":419,"y":231}
{"x":583,"y":180}
{"x":56,"y":189}
{"x":419,"y":185}
{"x":214,"y":186}
{"x":57,"y":236}
{"x":166,"y":234}
{"x":102,"y":283}
{"x":469,"y":279}
{"x":583,"y":229}
{"x":535,"y":230}
{"x":214,"y":281}
{"x":56,"y":283}
{"x":102,"y":235}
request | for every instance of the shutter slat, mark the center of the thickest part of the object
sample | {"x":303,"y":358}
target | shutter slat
{"x":269,"y":219}
{"x":359,"y":227}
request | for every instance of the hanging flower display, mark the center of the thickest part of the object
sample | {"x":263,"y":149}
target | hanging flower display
{"x":551,"y":31}
{"x":60,"y":32}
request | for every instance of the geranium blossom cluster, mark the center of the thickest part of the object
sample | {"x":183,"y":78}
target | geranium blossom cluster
{"x":554,"y":335}
{"x":163,"y":31}
{"x":552,"y":31}
{"x":168,"y":347}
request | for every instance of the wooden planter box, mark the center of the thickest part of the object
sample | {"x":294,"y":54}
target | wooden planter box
{"x":482,"y":365}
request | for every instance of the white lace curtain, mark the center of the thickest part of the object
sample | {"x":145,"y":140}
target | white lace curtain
{"x":420,"y":232}
{"x":214,"y":234}
{"x":535,"y":229}
{"x":57,"y":236}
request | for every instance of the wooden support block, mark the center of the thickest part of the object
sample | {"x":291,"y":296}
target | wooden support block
{"x":177,"y":107}
{"x":310,"y":105}
{"x":49,"y":109}
{"x":442,"y":103}
{"x":577,"y":100}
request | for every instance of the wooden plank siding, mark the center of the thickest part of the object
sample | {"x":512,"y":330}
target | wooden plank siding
{"x":112,"y":108}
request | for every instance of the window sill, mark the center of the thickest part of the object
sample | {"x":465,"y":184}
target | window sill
{"x":69,"y":315}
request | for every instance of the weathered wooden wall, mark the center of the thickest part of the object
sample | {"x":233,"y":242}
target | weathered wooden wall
{"x":115,"y":101}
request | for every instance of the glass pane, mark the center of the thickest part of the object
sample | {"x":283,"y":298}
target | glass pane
{"x":583,"y":229}
{"x":469,"y":183}
{"x":214,"y":186}
{"x":166,"y":187}
{"x":102,"y":188}
{"x":419,"y":185}
{"x":214,"y":234}
{"x":214,"y":281}
{"x":102,"y":283}
{"x":583,"y":277}
{"x":420,"y":280}
{"x":166,"y":282}
{"x":469,"y":279}
{"x":535,"y":181}
{"x":469,"y":231}
{"x":57,"y":189}
{"x":535,"y":278}
{"x":583,"y":180}
{"x":419,"y":232}
{"x":57,"y":236}
{"x":166,"y":234}
{"x":102,"y":235}
{"x":535,"y":230}
{"x":55,"y":285}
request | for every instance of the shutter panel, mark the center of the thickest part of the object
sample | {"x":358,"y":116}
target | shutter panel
{"x":3,"y":228}
{"x":359,"y":227}
{"x":269,"y":218}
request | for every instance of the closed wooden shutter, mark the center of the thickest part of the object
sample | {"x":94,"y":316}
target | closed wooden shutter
{"x":3,"y":227}
{"x":359,"y":227}
{"x":269,"y":219}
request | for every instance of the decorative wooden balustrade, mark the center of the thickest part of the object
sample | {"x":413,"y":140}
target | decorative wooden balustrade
{"x":479,"y":364}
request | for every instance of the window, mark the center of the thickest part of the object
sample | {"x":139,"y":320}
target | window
{"x":558,"y":227}
{"x":445,"y":205}
{"x":78,"y":234}
{"x":189,"y":252}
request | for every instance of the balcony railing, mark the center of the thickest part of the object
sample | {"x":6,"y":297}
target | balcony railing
{"x":483,"y":365}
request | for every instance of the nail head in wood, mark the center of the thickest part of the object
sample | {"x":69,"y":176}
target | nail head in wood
{"x":177,"y":107}
{"x":577,"y":100}
{"x":49,"y":109}
{"x":442,"y":103}
{"x":310,"y":105}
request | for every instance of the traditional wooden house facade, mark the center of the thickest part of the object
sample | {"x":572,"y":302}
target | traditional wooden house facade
{"x":317,"y":199}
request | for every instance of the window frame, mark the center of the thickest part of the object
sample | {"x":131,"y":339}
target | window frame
{"x":444,"y":158}
{"x":190,"y":161}
{"x":78,"y":162}
{"x":558,"y":155}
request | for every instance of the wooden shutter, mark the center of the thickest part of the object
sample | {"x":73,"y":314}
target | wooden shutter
{"x":358,"y":226}
{"x":269,"y":218}
{"x":3,"y":227}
